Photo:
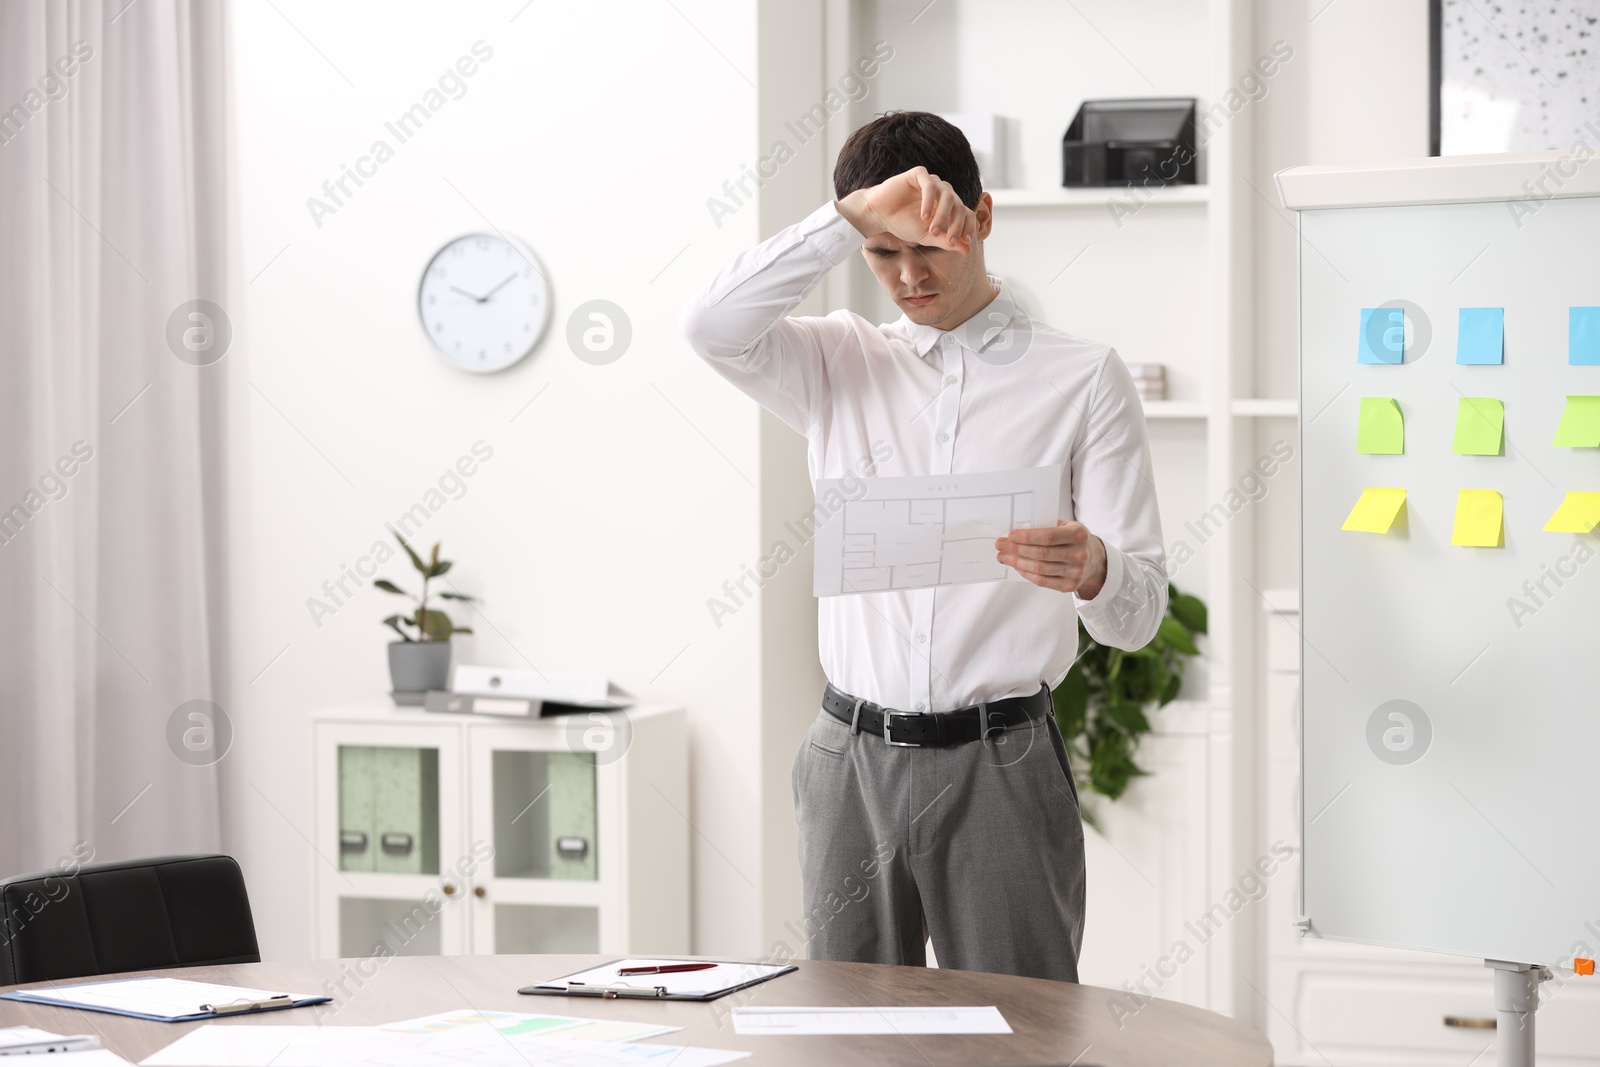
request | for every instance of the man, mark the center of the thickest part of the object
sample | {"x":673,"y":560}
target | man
{"x":961,"y":822}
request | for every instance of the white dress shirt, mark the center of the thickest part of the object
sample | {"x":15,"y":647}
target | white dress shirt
{"x":1000,"y":391}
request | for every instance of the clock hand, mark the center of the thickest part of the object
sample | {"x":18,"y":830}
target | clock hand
{"x":463,"y":292}
{"x":497,"y":288}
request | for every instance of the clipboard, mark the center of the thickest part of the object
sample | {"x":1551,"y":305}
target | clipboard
{"x":604,"y":982}
{"x":162,"y":1000}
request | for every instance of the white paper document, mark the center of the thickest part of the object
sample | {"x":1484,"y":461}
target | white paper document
{"x":484,"y":1039}
{"x":769,"y":1020}
{"x":911,"y":533}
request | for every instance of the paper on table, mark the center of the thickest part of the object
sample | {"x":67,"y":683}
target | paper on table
{"x":95,"y":1057}
{"x":1383,"y":336}
{"x":1478,"y":519}
{"x":361,"y":1046}
{"x":1578,"y":513}
{"x":1480,"y":426}
{"x":1382,"y":429}
{"x":1580,"y":423}
{"x":518,"y":1024}
{"x":917,"y":532}
{"x":169,"y":998}
{"x":1376,"y":510}
{"x":806,"y":1020}
{"x":1480,"y":337}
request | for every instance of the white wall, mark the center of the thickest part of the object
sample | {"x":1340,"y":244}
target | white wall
{"x":615,"y":503}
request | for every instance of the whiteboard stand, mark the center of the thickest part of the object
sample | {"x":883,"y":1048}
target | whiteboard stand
{"x":1516,"y":998}
{"x":1394,"y":838}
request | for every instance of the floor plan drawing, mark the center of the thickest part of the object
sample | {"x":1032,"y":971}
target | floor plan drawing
{"x":912,"y":533}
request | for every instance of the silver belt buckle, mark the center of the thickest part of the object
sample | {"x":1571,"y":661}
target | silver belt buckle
{"x":888,"y":719}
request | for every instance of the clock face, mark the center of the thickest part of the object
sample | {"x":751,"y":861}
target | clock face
{"x":484,"y":302}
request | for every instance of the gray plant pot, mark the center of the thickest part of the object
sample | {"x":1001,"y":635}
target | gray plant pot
{"x":416,"y":667}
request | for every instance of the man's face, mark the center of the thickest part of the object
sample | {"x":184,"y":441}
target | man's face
{"x":933,"y":286}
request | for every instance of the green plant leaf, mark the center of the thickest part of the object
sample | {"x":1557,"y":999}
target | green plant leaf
{"x":463,"y":630}
{"x":1129,"y":717}
{"x":416,"y":560}
{"x":436,"y":624}
{"x":1169,"y":692}
{"x":1071,"y":699}
{"x":393,"y":622}
{"x":1178,"y":636}
{"x":1189,"y":610}
{"x":459,"y":596}
{"x":389,"y":587}
{"x":439,"y":567}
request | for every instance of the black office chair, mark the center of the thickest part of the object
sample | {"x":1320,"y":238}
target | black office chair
{"x":175,"y":911}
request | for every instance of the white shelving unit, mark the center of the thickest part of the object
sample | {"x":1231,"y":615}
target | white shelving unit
{"x":1101,"y":199}
{"x":467,"y":834}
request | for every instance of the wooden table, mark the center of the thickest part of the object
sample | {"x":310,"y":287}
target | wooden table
{"x":1054,"y":1022}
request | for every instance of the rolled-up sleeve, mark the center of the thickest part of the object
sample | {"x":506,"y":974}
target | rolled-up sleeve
{"x":739,"y":323}
{"x":1114,"y":495}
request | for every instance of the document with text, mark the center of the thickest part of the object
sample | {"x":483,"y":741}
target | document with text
{"x":786,"y":1020}
{"x":875,"y":534}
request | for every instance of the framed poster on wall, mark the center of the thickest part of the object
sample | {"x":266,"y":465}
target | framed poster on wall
{"x":1514,"y":77}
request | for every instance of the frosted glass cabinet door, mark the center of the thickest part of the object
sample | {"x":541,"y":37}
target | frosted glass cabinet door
{"x":544,"y":815}
{"x":554,"y":882}
{"x":389,"y":835}
{"x":388,"y":809}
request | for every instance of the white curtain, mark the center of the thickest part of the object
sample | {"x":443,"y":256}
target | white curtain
{"x":112,"y":215}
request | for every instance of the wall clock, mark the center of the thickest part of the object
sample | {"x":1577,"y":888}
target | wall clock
{"x":484,"y":302}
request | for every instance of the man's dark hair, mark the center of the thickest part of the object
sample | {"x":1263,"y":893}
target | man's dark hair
{"x":895,"y":142}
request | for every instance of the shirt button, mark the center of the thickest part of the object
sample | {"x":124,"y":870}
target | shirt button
{"x":838,"y":237}
{"x":949,"y":379}
{"x":943,"y":438}
{"x":921,"y":706}
{"x":921,"y":638}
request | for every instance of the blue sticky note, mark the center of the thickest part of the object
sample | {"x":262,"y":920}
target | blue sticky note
{"x":1383,"y":336}
{"x":1583,"y":336}
{"x":1481,"y":336}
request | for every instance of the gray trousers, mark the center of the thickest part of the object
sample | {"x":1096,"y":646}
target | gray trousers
{"x":978,"y":846}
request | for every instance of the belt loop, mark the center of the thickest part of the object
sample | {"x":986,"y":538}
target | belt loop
{"x":855,"y":717}
{"x":989,"y":727}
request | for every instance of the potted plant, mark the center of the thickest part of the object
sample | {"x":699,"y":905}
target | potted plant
{"x":1100,"y":705}
{"x":420,"y":660}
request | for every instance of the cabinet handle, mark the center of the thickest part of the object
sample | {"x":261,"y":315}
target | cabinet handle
{"x":479,"y":892}
{"x":449,"y":889}
{"x":1469,"y":1022}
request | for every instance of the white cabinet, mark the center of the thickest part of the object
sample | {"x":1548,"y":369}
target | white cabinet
{"x":1344,"y":1003}
{"x":452,"y":834}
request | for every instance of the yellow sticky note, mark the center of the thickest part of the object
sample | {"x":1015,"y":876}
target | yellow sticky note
{"x":1480,"y":426}
{"x":1376,"y":510}
{"x":1478,"y":517}
{"x":1578,"y":513}
{"x":1580,"y":423}
{"x":1382,"y":429}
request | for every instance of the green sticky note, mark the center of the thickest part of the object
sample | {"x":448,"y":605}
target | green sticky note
{"x":1480,"y":426}
{"x":1580,"y":423}
{"x":1382,"y":431}
{"x":1479,"y":518}
{"x":1376,"y":511}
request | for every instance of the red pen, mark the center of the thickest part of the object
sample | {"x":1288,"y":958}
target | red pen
{"x":671,"y":968}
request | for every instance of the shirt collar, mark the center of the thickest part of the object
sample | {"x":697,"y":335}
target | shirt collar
{"x":977,"y":333}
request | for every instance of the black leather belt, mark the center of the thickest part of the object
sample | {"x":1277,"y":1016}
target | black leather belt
{"x":911,"y":729}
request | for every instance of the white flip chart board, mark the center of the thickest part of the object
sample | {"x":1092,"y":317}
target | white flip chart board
{"x":1451,"y":786}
